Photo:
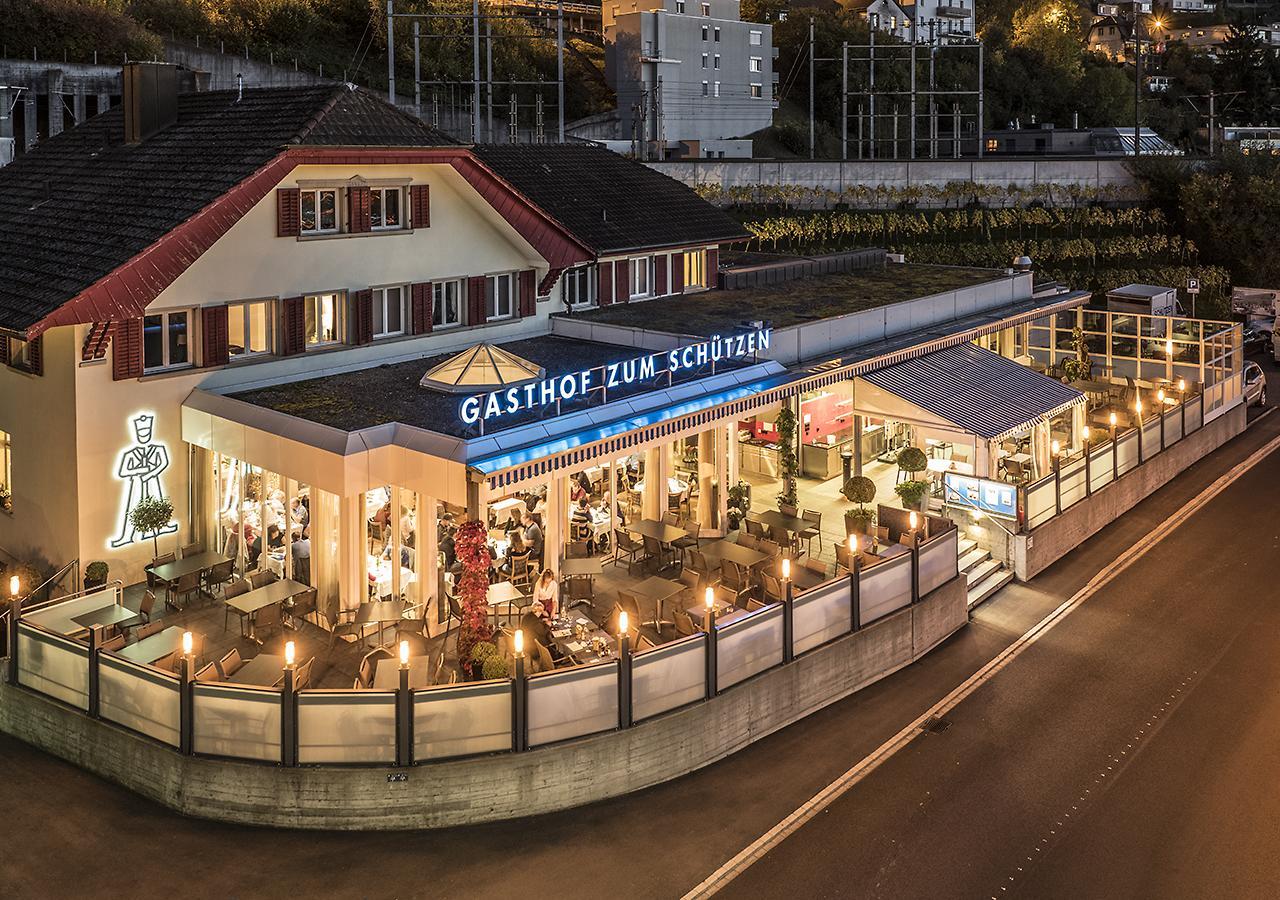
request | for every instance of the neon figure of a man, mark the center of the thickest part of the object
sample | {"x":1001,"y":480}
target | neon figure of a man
{"x":141,"y":466}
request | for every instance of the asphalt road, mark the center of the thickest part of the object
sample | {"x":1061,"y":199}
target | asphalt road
{"x":1185,"y":810}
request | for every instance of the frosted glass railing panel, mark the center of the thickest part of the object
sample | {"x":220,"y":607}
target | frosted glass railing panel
{"x":1172,"y":426}
{"x":58,"y":615}
{"x":572,"y":703}
{"x":886,"y":587}
{"x":1127,"y":451}
{"x":54,"y":665}
{"x":668,"y":676}
{"x":1041,"y":506}
{"x":1150,"y":437}
{"x":461,"y":720}
{"x":1195,"y":413}
{"x":347,"y":726}
{"x":141,"y":698}
{"x":236,"y":720}
{"x":939,"y":561}
{"x":821,"y":614}
{"x":1071,"y":477}
{"x":748,"y":646}
{"x":1100,"y":466}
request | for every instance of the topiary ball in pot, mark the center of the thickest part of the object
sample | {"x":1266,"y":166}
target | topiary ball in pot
{"x":95,"y":574}
{"x":494,"y":667}
{"x":912,"y":459}
{"x":859,"y":489}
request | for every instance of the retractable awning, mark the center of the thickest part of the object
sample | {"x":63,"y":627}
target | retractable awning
{"x":982,"y":392}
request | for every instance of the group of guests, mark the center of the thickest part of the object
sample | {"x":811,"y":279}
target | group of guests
{"x":298,"y":534}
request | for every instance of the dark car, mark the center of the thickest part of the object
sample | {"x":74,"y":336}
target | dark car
{"x":1256,"y":338}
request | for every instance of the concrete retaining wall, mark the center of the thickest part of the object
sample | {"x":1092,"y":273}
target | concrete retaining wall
{"x":494,"y":787}
{"x":1035,"y":552}
{"x":839,"y":176}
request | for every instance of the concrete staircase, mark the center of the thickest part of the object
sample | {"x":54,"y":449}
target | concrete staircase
{"x":984,"y":574}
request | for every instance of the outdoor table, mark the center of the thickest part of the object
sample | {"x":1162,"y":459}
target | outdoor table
{"x":698,"y":611}
{"x":659,"y":590}
{"x":775,"y":519}
{"x":579,"y":649}
{"x":803,"y":578}
{"x":743,"y":556}
{"x":659,"y":531}
{"x":200,"y":562}
{"x":379,"y":612}
{"x":674,"y":486}
{"x":265,"y":669}
{"x":106,"y":616}
{"x":892,"y":550}
{"x":267,"y":595}
{"x":150,"y":649}
{"x":386,"y":673}
{"x":504,"y":592}
{"x":581,"y":567}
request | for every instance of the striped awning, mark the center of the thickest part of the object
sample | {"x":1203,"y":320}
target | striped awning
{"x":982,"y":392}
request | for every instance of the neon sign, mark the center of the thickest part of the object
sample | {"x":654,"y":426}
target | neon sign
{"x":140,"y":467}
{"x":546,"y":391}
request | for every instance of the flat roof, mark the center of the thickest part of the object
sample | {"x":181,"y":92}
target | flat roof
{"x":791,"y":302}
{"x":391,"y":393}
{"x":1139,"y":290}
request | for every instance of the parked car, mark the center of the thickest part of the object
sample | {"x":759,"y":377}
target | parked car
{"x":1256,"y":338}
{"x":1255,"y":385}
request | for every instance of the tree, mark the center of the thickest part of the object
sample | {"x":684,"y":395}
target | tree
{"x":149,"y":515}
{"x":1055,"y":30}
{"x":1244,"y":67}
{"x":786,"y":425}
{"x":471,"y":545}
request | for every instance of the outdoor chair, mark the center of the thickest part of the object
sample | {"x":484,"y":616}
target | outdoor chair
{"x":882,"y":534}
{"x":112,"y":643}
{"x":208,"y":672}
{"x":267,"y":617}
{"x":301,"y":606}
{"x":149,"y":629}
{"x":302,"y":676}
{"x":167,"y":663}
{"x":191,"y":550}
{"x":579,"y":592}
{"x":699,"y":564}
{"x":773,"y":589}
{"x":631,"y":549}
{"x":643,"y":643}
{"x":815,"y":519}
{"x":219,"y":575}
{"x":230,"y":663}
{"x":789,"y":510}
{"x":770,"y":548}
{"x":684,"y":623}
{"x":1014,"y":471}
{"x":753,"y":605}
{"x":684,"y":544}
{"x":144,"y":608}
{"x":628,"y":603}
{"x":779,"y":536}
{"x":233,"y":590}
{"x":655,"y":550}
{"x":736,"y":582}
{"x":814,"y":565}
{"x":262,"y":578}
{"x":364,"y":675}
{"x":750,"y":541}
{"x":342,"y":624}
{"x":755,"y":529}
{"x":160,"y":560}
{"x":576,"y":550}
{"x":184,"y":587}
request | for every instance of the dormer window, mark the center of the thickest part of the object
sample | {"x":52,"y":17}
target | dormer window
{"x":318,"y":211}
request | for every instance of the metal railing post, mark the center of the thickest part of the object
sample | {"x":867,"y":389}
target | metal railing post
{"x":1162,"y":426}
{"x":624,"y":681}
{"x":404,"y":718}
{"x":519,"y":708}
{"x":915,"y":566}
{"x":1115,"y":456}
{"x":288,"y":720}
{"x":186,"y":705}
{"x":1088,"y":471}
{"x":1140,"y":459}
{"x":855,"y":593}
{"x":712,"y":669}
{"x":95,"y":641}
{"x":1057,"y":485}
{"x":788,"y":622}
{"x":15,"y":614}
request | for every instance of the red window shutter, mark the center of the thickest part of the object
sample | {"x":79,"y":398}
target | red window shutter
{"x":420,"y":205}
{"x":213,"y":331}
{"x":126,"y":349}
{"x":604,"y":296}
{"x":677,"y":273}
{"x":420,"y":307}
{"x":362,"y":320}
{"x":293,"y":326}
{"x":95,"y":342}
{"x":528,"y":293}
{"x":35,"y":356}
{"x":287,"y":212}
{"x":475,"y":301}
{"x":622,"y":280}
{"x":358,"y":209}
{"x":713,"y":268}
{"x":660,"y":274}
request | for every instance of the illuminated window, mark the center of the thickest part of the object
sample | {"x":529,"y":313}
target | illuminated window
{"x":322,"y":319}
{"x":695,"y":269}
{"x":248,"y":328}
{"x":992,"y":144}
{"x":6,"y":471}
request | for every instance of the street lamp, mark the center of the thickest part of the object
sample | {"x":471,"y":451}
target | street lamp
{"x":404,"y":654}
{"x":519,"y":637}
{"x":288,"y":654}
{"x":187,"y":643}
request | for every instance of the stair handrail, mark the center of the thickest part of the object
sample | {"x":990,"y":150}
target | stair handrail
{"x":965,"y":501}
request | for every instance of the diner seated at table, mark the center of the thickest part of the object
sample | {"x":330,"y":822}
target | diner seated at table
{"x":513,"y":522}
{"x":533,"y":535}
{"x":516,"y":550}
{"x":406,"y":555}
{"x":253,"y":542}
{"x":546,"y":591}
{"x":275,"y":537}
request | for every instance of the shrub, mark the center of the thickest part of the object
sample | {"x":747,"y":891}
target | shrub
{"x":494,"y":666}
{"x":859,"y":489}
{"x":911,"y":492}
{"x":96,"y":573}
{"x":912,"y":459}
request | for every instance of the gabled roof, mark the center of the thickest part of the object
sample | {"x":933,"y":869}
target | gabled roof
{"x":982,"y":392}
{"x":83,"y":203}
{"x":610,"y":202}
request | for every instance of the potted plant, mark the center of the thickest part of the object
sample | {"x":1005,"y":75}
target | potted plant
{"x":478,"y":660}
{"x":1081,"y":365}
{"x":860,"y":490}
{"x":789,"y":466}
{"x":471,"y":546}
{"x":912,"y":493}
{"x":95,"y":575}
{"x":149,"y":516}
{"x":739,"y":501}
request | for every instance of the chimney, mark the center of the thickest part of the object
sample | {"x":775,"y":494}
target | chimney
{"x":150,"y":99}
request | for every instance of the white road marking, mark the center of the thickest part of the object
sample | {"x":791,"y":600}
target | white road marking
{"x":734,"y":867}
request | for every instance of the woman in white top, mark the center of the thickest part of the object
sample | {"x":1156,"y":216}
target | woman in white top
{"x":546,"y":591}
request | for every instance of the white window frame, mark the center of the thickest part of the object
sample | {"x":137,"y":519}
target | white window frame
{"x":491,"y":312}
{"x":680,"y":6}
{"x":314,"y":193}
{"x":715,"y":89}
{"x":168,"y":364}
{"x":715,"y":34}
{"x":715,"y":61}
{"x":241,"y":309}
{"x":757,"y":91}
{"x":338,"y":323}
{"x":698,"y":281}
{"x":756,"y":39}
{"x":380,"y":305}
{"x":704,"y":60}
{"x":439,"y":292}
{"x":706,"y":9}
{"x":6,"y":471}
{"x":579,"y":286}
{"x":19,"y":353}
{"x":637,"y":265}
{"x":706,"y":89}
{"x":398,"y":191}
{"x":706,"y":32}
{"x":755,"y":64}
